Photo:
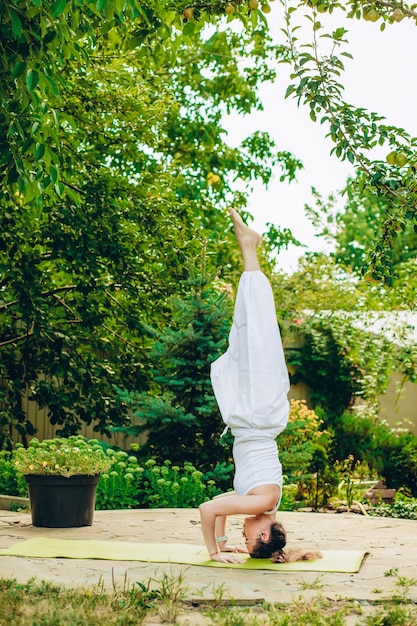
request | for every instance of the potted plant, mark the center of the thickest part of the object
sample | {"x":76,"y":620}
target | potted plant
{"x":62,"y":476}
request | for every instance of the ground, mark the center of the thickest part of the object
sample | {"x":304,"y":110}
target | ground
{"x":391,"y":544}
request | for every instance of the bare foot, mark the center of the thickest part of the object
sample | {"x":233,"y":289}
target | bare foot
{"x":248,"y":240}
{"x":245,"y":236}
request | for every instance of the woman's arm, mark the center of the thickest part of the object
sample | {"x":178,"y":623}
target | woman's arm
{"x":212,"y":512}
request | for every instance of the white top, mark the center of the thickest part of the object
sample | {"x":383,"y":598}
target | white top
{"x":257,"y":463}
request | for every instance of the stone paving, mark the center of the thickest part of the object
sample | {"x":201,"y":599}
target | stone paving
{"x":391,"y":543}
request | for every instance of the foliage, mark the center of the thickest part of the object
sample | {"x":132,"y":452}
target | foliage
{"x":298,"y":442}
{"x":402,"y":507}
{"x":289,"y":497}
{"x":62,"y":457}
{"x":365,"y":438}
{"x":318,"y":284}
{"x":352,"y":228}
{"x":12,"y":482}
{"x":118,"y":487}
{"x":341,"y":360}
{"x":320,"y":364}
{"x":363,"y":435}
{"x":304,"y":452}
{"x":400,"y":463}
{"x":323,"y":479}
{"x":124,"y":482}
{"x":129,"y":484}
{"x":317,"y":66}
{"x":221,"y":475}
{"x":352,"y":472}
{"x":173,"y":486}
{"x":114,"y":168}
{"x":357,"y":445}
{"x":180,"y":405}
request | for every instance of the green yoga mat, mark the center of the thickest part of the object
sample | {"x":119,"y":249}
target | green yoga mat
{"x":42,"y":547}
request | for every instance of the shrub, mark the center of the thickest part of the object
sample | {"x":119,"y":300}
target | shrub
{"x":403,"y":507}
{"x":298,"y":442}
{"x":362,"y":436}
{"x":400,"y":463}
{"x":119,"y":487}
{"x":221,"y":475}
{"x":169,"y":486}
{"x":12,"y":482}
{"x":365,"y":438}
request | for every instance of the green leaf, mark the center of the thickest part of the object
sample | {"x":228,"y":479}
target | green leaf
{"x":188,"y":29}
{"x":54,"y":173}
{"x":18,"y":69}
{"x":100,"y":4}
{"x":50,"y":36}
{"x":40,"y":151}
{"x":16,"y":24}
{"x":59,"y":189}
{"x":58,"y":7}
{"x":54,"y":87}
{"x":290,"y":90}
{"x":32,"y":79}
{"x":30,"y":192}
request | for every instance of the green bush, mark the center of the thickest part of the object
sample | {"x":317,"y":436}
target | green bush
{"x":363,"y":437}
{"x":12,"y":482}
{"x":119,"y":487}
{"x":400,"y":463}
{"x":298,"y":443}
{"x":136,"y":484}
{"x":221,"y":474}
{"x":130,"y":484}
{"x":170,"y":486}
{"x":289,"y":500}
{"x":403,"y":507}
{"x":392,"y":456}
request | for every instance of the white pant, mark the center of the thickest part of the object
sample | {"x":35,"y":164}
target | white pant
{"x":250,"y":380}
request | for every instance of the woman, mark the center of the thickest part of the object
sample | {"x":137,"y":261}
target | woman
{"x":250,"y":382}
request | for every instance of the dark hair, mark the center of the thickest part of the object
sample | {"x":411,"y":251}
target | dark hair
{"x":277,"y":540}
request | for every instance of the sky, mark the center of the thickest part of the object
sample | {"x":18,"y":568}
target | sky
{"x":381,"y":78}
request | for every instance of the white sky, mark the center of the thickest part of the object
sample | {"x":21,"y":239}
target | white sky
{"x":381,"y":78}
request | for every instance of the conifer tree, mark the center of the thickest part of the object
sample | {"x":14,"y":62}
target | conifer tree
{"x":180,"y":413}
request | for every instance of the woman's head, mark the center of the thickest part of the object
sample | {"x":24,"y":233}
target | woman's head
{"x":267,"y":544}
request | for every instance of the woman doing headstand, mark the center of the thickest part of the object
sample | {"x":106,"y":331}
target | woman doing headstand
{"x":250,"y":382}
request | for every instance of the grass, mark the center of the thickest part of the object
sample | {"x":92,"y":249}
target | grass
{"x":163,"y":601}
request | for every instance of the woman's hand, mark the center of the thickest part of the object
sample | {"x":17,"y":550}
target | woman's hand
{"x":227,"y":548}
{"x":225,"y":557}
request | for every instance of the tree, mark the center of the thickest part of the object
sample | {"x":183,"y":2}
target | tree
{"x":180,"y":413}
{"x":354,"y":131}
{"x":351,"y":228}
{"x":352,"y":334}
{"x":115,"y":167}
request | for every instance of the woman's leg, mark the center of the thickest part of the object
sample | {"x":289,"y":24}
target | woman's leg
{"x":248,"y":240}
{"x":250,"y":380}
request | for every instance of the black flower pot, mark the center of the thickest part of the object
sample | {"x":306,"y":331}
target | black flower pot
{"x":60,"y":502}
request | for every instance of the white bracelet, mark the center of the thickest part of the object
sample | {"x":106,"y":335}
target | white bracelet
{"x":220,"y":539}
